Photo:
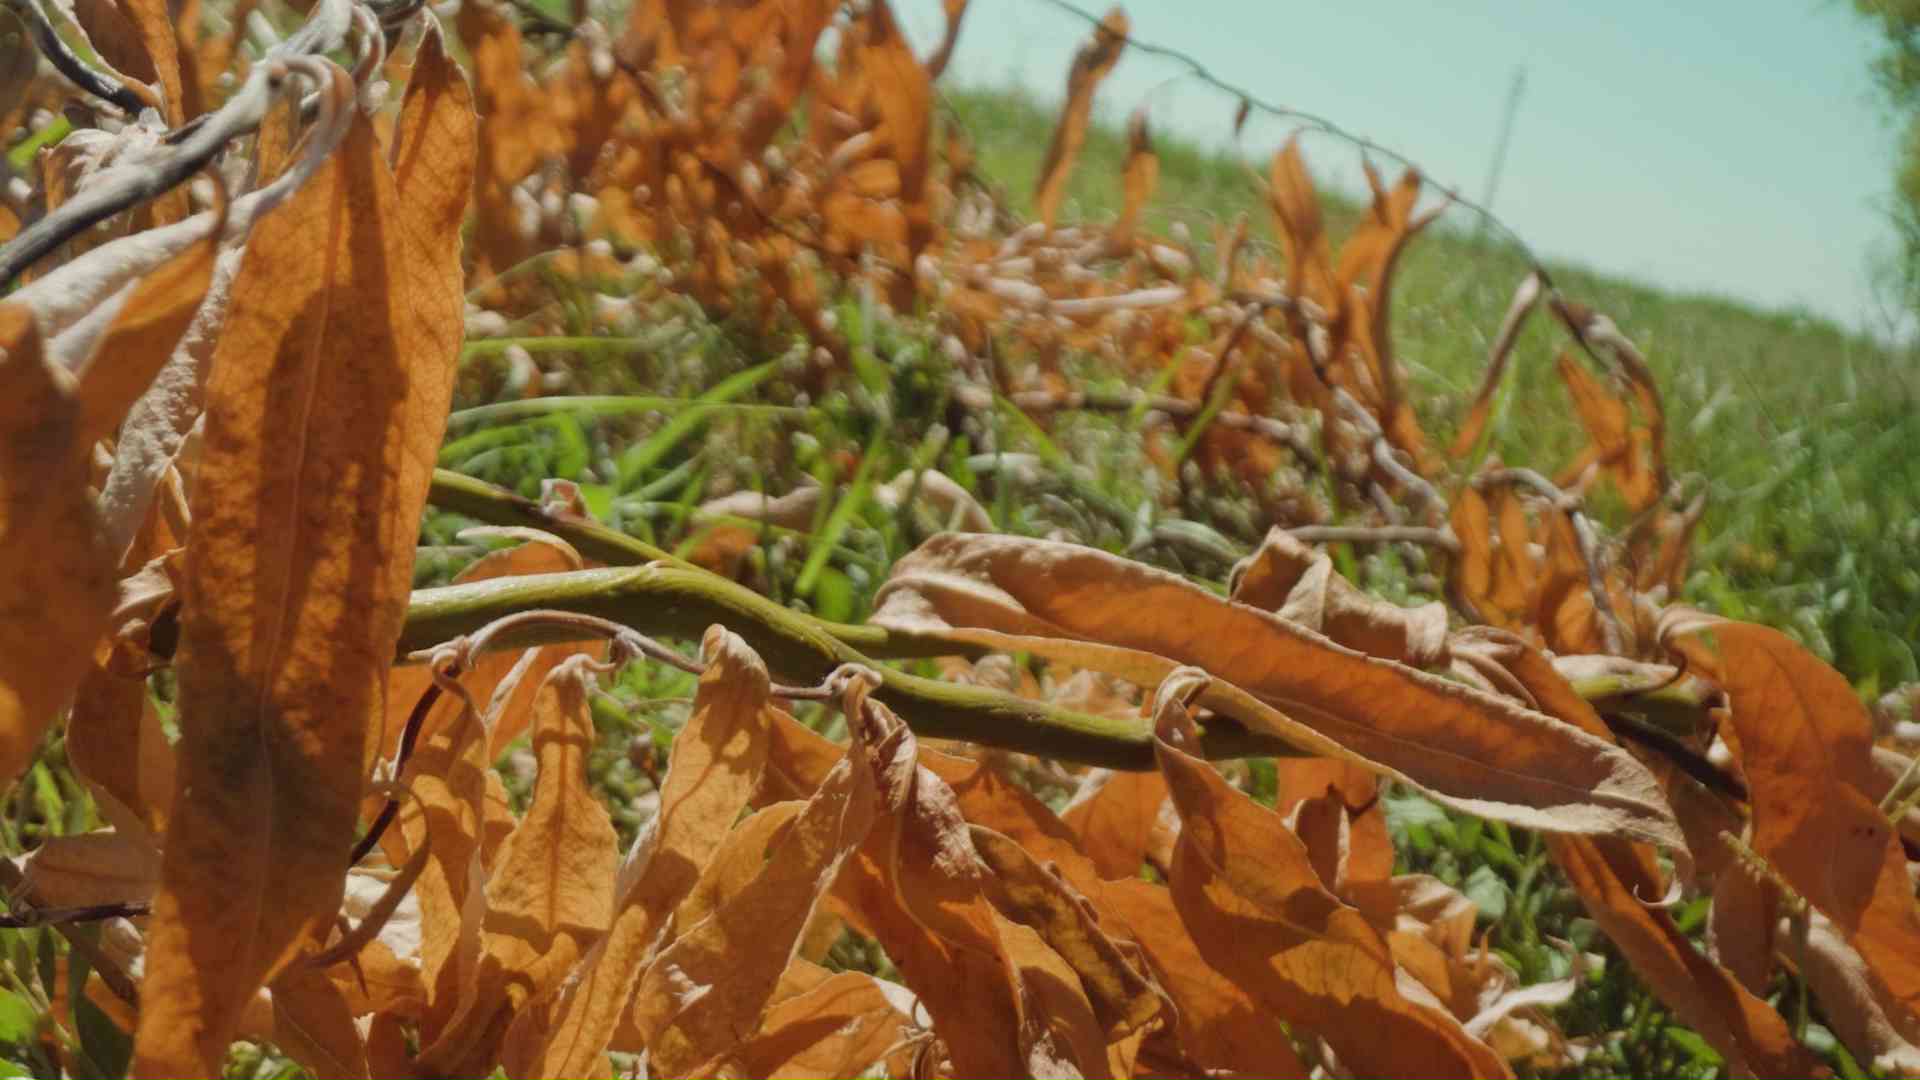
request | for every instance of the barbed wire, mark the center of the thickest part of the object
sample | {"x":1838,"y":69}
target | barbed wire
{"x":1320,"y":125}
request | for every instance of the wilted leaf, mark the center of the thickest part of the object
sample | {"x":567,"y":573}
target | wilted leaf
{"x":1246,"y":889}
{"x":1090,"y":65}
{"x":1123,"y":998}
{"x":842,"y":1027}
{"x":1114,"y":817}
{"x":937,"y":63}
{"x":501,"y":682}
{"x":1478,"y":752}
{"x":1642,"y":474}
{"x":1298,"y":583}
{"x":325,"y":405}
{"x":717,"y":759}
{"x":136,"y":37}
{"x":448,"y":818}
{"x":1219,"y":1024}
{"x":1615,"y":881}
{"x":1744,"y":925}
{"x":1605,"y":416}
{"x":1517,"y":571}
{"x":49,"y":538}
{"x":115,"y":367}
{"x":901,"y":93}
{"x":384,"y":974}
{"x":549,"y":896}
{"x":512,"y":138}
{"x":112,"y":866}
{"x":735,"y":862}
{"x":993,"y":802}
{"x":1883,"y":1035}
{"x":433,"y":156}
{"x":1618,"y":880}
{"x":1137,"y":179}
{"x":1526,"y":297}
{"x":919,"y":886}
{"x":115,"y":740}
{"x":705,"y":993}
{"x":1805,"y":746}
{"x":313,"y":1025}
{"x":1472,"y":571}
{"x":145,"y":302}
{"x":1296,"y":210}
{"x":950,"y":502}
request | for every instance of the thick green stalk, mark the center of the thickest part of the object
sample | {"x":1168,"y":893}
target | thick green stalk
{"x":657,"y":594}
{"x":674,"y":601}
{"x":496,"y":505}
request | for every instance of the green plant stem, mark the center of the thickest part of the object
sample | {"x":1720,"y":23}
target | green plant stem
{"x":842,"y":516}
{"x":608,"y":405}
{"x":657,"y":594}
{"x":495,"y":505}
{"x":672,"y":601}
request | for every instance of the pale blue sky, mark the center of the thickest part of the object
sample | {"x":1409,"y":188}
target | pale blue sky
{"x":1711,"y":146}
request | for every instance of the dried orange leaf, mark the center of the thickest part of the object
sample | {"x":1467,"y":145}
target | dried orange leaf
{"x":550,"y":894}
{"x":313,"y":1025}
{"x":112,"y":866}
{"x":919,"y":887}
{"x":449,"y":778}
{"x":717,"y":759}
{"x":136,"y":37}
{"x":56,"y":531}
{"x":115,"y":740}
{"x":1137,"y":179}
{"x":1476,"y":751}
{"x":901,"y":92}
{"x":1883,"y":1036}
{"x":841,"y":1027}
{"x":433,"y":155}
{"x":325,"y":405}
{"x":1219,"y":1025}
{"x":49,"y":539}
{"x":501,"y":682}
{"x":142,"y":336}
{"x":1805,"y":745}
{"x":1124,"y":998}
{"x":1526,"y":297}
{"x":1114,"y":816}
{"x":988,"y":798}
{"x":1296,"y":210}
{"x":735,"y":863}
{"x":1246,"y":888}
{"x":706,"y":992}
{"x":937,"y":63}
{"x":1604,"y":415}
{"x":1288,"y":577}
{"x":1617,"y":880}
{"x":1090,"y":65}
{"x":384,"y":976}
{"x":514,"y":136}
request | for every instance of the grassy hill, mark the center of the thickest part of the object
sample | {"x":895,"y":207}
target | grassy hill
{"x":1804,"y":434}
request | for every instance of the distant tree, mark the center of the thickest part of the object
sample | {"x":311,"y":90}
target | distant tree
{"x":1897,"y":70}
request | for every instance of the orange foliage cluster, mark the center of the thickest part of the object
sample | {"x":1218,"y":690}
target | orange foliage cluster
{"x":216,"y":440}
{"x":675,"y":133}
